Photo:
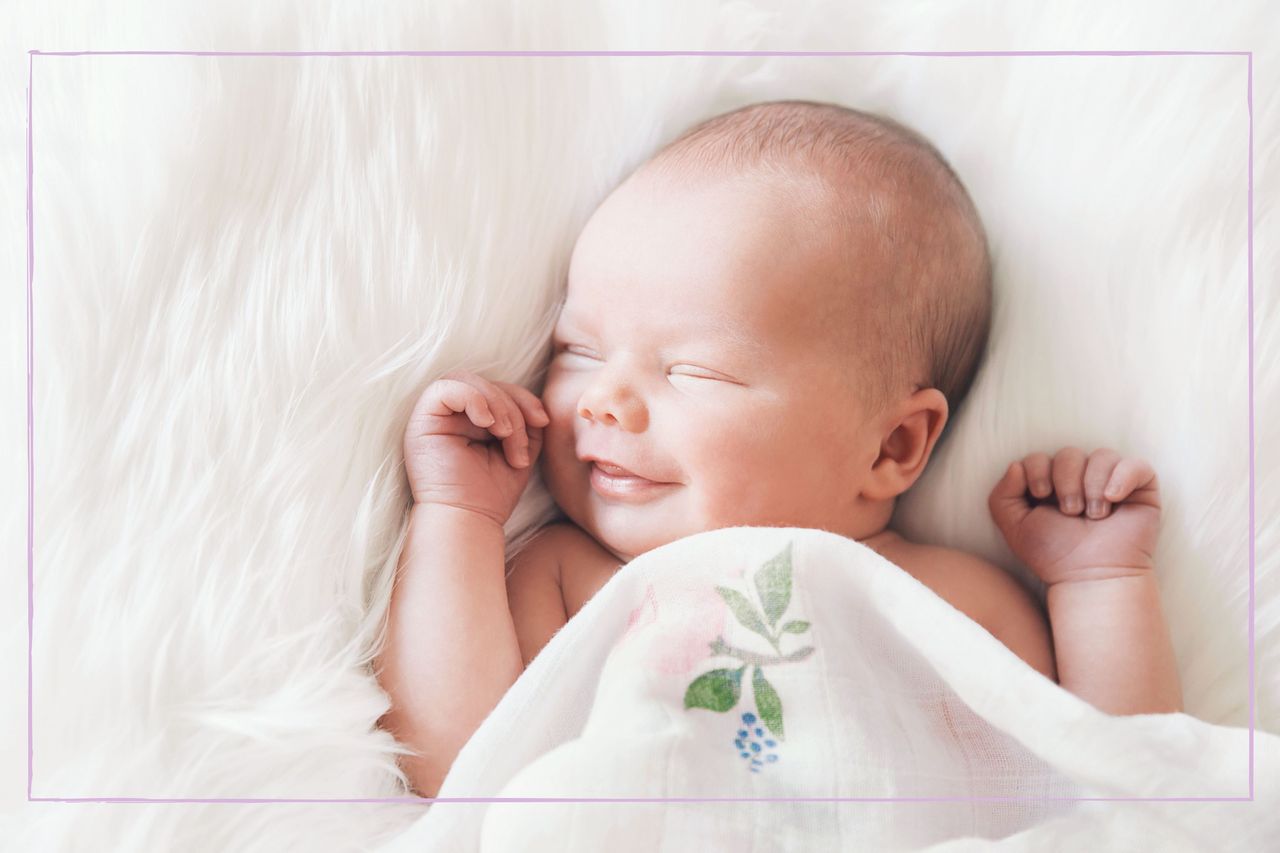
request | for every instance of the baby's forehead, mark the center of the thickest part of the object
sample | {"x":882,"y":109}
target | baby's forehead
{"x":760,"y":253}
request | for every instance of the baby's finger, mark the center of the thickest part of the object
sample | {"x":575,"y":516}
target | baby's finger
{"x":1096,"y":474}
{"x":453,"y":396}
{"x":534,"y":412}
{"x":1037,"y":471}
{"x":1068,"y":469}
{"x":1131,"y":475}
{"x":515,"y":444}
{"x":503,"y":409}
{"x":1008,"y":499}
{"x":535,"y":443}
{"x":535,"y":418}
{"x":513,"y":436}
{"x":511,"y":427}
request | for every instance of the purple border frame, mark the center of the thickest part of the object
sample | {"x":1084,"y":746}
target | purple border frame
{"x":32,"y":54}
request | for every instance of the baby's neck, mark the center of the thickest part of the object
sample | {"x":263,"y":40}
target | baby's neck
{"x":884,"y":539}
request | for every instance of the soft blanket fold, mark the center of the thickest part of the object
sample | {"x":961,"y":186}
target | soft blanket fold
{"x":757,"y":662}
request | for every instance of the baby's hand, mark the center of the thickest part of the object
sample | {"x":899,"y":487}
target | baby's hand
{"x":449,"y":456}
{"x":1078,"y":534}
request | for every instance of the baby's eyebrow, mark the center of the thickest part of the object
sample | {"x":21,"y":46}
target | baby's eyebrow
{"x":740,"y":340}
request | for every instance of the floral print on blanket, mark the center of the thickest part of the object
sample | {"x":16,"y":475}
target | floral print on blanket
{"x":720,"y":689}
{"x":692,"y":616}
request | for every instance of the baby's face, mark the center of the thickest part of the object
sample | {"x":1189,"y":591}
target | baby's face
{"x":691,"y":351}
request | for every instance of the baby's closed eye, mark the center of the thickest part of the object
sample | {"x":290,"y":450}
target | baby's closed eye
{"x":680,"y":371}
{"x":686,"y":372}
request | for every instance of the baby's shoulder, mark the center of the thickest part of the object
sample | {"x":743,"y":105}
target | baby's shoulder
{"x":561,"y":537}
{"x":968,"y":582}
{"x":584,"y":565}
{"x":545,"y":583}
{"x":990,"y":596}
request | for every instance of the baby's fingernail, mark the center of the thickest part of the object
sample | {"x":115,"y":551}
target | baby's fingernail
{"x":1095,"y":508}
{"x":1071,"y":505}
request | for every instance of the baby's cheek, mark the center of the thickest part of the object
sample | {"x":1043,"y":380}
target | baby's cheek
{"x":738,"y":479}
{"x":560,"y":397}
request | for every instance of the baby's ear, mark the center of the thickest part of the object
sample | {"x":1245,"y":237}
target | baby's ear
{"x":913,"y":430}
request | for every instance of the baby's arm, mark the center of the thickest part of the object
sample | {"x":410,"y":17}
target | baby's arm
{"x":534,"y":591}
{"x":1113,"y":646}
{"x":1111,"y":642}
{"x":451,"y":649}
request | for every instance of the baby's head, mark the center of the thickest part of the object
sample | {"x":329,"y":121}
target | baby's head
{"x":773,"y":317}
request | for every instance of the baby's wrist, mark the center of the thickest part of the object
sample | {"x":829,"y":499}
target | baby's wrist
{"x":457,"y":514}
{"x":1103,"y":577}
{"x":1060,"y":576}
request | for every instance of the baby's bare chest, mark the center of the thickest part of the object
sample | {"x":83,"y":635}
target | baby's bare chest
{"x":586,"y":566}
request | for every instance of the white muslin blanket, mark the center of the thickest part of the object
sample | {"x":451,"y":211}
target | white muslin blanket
{"x":757,"y":662}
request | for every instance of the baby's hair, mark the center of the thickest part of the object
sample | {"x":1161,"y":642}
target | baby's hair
{"x":883,"y":176}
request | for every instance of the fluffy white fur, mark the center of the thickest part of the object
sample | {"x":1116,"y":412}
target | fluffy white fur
{"x":246,"y":269}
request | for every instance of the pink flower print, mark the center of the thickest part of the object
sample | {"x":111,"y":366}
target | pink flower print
{"x":691,"y":618}
{"x":688,"y":619}
{"x":645,"y":614}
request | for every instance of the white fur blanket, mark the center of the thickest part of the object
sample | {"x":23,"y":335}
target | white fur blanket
{"x":778,"y":663}
{"x":246,"y":268}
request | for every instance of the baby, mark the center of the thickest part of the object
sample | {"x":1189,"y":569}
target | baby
{"x":769,"y":323}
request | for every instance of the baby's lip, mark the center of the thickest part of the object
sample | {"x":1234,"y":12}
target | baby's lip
{"x":613,"y":468}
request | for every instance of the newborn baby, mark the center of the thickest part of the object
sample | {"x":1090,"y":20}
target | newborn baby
{"x":769,"y":323}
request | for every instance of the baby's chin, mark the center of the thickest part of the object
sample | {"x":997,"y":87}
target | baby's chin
{"x":628,"y":531}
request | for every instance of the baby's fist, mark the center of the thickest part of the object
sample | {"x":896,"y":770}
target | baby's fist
{"x":1077,"y":516}
{"x":471,"y":443}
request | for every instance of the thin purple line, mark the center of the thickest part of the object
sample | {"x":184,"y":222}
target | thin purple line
{"x":826,"y":53}
{"x":31,"y":471}
{"x":31,"y":431}
{"x":1252,"y":612}
{"x":663,"y":800}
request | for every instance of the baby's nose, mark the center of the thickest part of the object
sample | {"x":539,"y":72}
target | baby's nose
{"x":614,"y":406}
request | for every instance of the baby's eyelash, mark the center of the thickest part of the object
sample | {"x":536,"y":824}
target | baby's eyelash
{"x":694,"y":375}
{"x":704,"y":373}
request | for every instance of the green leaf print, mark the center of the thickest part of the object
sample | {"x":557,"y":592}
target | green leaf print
{"x":717,"y":690}
{"x":795,"y":626}
{"x":768,"y":703}
{"x":746,"y":612}
{"x":773,"y":585}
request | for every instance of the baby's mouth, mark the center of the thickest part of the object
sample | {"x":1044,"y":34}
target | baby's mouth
{"x":608,"y":483}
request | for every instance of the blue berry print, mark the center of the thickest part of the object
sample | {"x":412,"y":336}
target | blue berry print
{"x":753,"y":745}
